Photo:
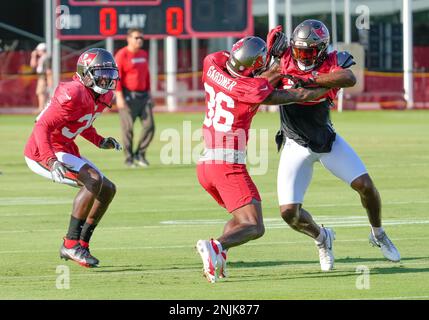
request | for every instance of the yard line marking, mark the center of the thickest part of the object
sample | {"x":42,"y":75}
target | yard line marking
{"x":357,"y":204}
{"x":353,"y":225}
{"x":191,"y":245}
{"x":30,"y":201}
{"x":272,"y":224}
{"x":417,"y":164}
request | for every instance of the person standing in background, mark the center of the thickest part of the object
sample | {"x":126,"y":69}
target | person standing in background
{"x":133,"y":98}
{"x":41,"y":62}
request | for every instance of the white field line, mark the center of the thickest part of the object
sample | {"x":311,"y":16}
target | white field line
{"x":191,"y":245}
{"x":270,"y":223}
{"x":421,"y":164}
{"x":345,"y":267}
{"x":31,"y":201}
{"x":394,"y":298}
{"x":354,"y":225}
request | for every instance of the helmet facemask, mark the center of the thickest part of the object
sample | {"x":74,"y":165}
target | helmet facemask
{"x":309,"y":44}
{"x":308,"y":58}
{"x":103,"y":79}
{"x":97,"y":70}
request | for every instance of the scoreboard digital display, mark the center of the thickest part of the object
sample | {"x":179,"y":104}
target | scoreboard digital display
{"x":98,"y":19}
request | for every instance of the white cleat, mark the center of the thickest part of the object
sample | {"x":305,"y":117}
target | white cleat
{"x":326,"y":255}
{"x":222,"y":268}
{"x":386,"y":246}
{"x":210,"y":260}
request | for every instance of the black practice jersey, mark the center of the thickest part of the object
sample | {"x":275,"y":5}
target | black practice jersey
{"x":309,"y":125}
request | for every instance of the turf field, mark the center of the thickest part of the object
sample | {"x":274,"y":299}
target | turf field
{"x":146,"y":240}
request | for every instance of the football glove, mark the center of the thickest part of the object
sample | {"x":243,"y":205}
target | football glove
{"x":58,"y":171}
{"x":276,"y":42}
{"x":110,"y":143}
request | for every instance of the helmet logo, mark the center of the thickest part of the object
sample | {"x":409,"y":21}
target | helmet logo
{"x":320,"y":32}
{"x":87,"y":58}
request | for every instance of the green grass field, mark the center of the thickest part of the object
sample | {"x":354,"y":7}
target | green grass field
{"x":146,"y":240}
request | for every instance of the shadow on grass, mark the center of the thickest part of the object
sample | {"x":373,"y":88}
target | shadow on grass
{"x":349,"y":262}
{"x":146,"y":268}
{"x":362,"y":260}
{"x":260,"y":264}
{"x":395,"y":268}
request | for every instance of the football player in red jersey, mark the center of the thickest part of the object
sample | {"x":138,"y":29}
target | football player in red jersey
{"x":308,"y":137}
{"x":234,"y":92}
{"x":52,"y":153}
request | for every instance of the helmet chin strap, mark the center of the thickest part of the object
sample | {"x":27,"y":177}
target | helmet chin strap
{"x":303,"y":67}
{"x":96,"y":88}
{"x":99,"y":90}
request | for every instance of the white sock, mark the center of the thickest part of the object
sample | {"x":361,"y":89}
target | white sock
{"x":377,"y":231}
{"x":321,"y":237}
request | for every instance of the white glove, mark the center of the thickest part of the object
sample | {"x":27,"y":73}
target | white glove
{"x":110,"y":143}
{"x":58,"y":171}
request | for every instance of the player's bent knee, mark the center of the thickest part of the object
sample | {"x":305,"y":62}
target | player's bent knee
{"x":94,"y":183}
{"x":110,"y":189}
{"x":363,"y":184}
{"x":290,"y":214}
{"x":260,"y":230}
{"x":113,"y":189}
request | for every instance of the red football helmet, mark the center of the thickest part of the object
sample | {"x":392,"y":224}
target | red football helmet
{"x":97,"y":70}
{"x":309,"y":43}
{"x":247,"y":57}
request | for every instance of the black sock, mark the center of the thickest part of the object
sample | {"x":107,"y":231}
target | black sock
{"x":75,"y":228}
{"x":87,"y":231}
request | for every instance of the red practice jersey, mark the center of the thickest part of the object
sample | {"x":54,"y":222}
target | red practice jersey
{"x":289,"y":67}
{"x":231,"y":103}
{"x":71,"y":112}
{"x":133,"y":70}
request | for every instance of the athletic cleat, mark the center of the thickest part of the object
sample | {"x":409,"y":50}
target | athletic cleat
{"x":78,"y":254}
{"x":130,"y":164}
{"x":97,"y":262}
{"x":222,"y":268}
{"x":210,"y":260}
{"x":141,"y":161}
{"x":326,"y":255}
{"x":386,"y":246}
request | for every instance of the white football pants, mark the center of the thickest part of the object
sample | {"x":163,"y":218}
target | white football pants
{"x":296,"y":168}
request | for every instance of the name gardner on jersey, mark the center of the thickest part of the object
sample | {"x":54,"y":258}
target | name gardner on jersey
{"x":220,"y":79}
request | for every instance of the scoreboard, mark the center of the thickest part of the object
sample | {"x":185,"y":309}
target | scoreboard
{"x":98,"y":19}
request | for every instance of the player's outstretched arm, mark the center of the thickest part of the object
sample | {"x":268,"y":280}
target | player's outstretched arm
{"x":278,"y":97}
{"x":342,"y":78}
{"x":272,"y":74}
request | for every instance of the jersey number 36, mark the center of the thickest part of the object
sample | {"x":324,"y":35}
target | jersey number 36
{"x":215,"y":111}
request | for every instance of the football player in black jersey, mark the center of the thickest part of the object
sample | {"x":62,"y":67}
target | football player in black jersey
{"x":307,"y":136}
